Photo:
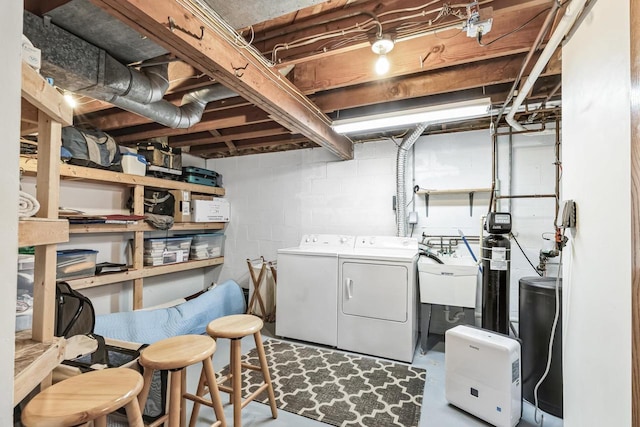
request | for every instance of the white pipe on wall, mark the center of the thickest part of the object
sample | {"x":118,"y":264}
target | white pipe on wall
{"x":564,"y":26}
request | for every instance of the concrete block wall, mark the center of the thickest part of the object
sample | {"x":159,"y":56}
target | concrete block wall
{"x":278,"y":197}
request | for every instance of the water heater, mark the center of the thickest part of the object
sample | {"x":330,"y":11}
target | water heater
{"x":496,"y":259}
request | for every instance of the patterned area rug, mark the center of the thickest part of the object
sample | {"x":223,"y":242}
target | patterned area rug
{"x":337,"y":388}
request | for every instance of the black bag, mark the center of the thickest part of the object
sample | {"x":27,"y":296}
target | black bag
{"x":75,"y":316}
{"x":159,"y":202}
{"x":91,"y":148}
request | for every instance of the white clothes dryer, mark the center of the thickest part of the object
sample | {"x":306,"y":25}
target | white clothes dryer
{"x":377,"y":311}
{"x":307,"y":288}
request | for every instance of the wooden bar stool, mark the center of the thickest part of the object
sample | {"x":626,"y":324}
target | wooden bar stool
{"x":175,"y":354}
{"x":236,"y":327}
{"x":87,"y":397}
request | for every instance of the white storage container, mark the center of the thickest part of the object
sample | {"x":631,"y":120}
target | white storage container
{"x":166,"y":250}
{"x":204,"y":246}
{"x":216,"y":210}
{"x":134,"y":164}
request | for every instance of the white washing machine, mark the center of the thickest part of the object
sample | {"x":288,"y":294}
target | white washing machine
{"x":377,"y":302}
{"x":307,"y":288}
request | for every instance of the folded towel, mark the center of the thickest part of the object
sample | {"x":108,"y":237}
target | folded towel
{"x":27,"y":205}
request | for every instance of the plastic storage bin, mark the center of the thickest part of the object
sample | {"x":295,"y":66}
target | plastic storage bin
{"x":209,"y":245}
{"x":75,"y":263}
{"x":133,"y":163}
{"x":25,"y":274}
{"x":166,"y":250}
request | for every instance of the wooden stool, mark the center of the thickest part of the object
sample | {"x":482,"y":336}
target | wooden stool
{"x":175,"y":354}
{"x":236,"y":327}
{"x":87,"y":397}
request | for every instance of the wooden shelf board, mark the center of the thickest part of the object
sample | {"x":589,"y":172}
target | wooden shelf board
{"x":141,"y":226}
{"x":455,"y":191}
{"x":29,"y":166}
{"x":45,"y":97}
{"x":42,"y":231}
{"x":107,"y":279}
{"x":33,"y":362}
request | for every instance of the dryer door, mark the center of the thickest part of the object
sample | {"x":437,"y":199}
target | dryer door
{"x":375,"y":290}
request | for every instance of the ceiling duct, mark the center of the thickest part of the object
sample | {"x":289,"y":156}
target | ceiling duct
{"x":80,"y":67}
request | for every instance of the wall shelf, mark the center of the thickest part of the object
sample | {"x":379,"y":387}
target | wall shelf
{"x":29,"y":166}
{"x":42,"y":231}
{"x":33,"y":362}
{"x":149,"y":271}
{"x":470,"y":191}
{"x":142,"y":226}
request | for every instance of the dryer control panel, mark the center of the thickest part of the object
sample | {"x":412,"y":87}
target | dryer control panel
{"x":327,"y":240}
{"x":386,"y":242}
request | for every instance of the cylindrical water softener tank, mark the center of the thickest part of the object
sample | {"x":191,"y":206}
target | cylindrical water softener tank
{"x":537,"y":310}
{"x":496,"y":257}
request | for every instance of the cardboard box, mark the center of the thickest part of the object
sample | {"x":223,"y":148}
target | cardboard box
{"x":215,"y":210}
{"x":183,"y":205}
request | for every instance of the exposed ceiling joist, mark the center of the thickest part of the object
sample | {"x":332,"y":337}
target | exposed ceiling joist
{"x":231,"y":65}
{"x":421,"y":54}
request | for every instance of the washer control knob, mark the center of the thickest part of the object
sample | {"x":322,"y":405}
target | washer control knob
{"x":315,"y":239}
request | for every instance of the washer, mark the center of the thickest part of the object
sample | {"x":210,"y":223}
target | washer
{"x":307,"y":288}
{"x":377,"y":302}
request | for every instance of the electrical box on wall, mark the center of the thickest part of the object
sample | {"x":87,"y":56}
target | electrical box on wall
{"x":412,"y":218}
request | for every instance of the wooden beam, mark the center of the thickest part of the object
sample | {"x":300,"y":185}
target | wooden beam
{"x":215,"y":120}
{"x":230,"y":137}
{"x":261,"y":143}
{"x":421,"y":54}
{"x":229,"y":143}
{"x":45,"y":97}
{"x":461,"y":77}
{"x":635,"y":211}
{"x":116,"y":118}
{"x":219,"y":56}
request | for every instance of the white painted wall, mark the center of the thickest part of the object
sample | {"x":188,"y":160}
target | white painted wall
{"x":276,"y":198}
{"x":11,"y":30}
{"x":596,"y":147}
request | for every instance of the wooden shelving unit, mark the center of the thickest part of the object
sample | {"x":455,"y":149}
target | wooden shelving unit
{"x":37,"y":352}
{"x":29,"y":166}
{"x":44,"y":111}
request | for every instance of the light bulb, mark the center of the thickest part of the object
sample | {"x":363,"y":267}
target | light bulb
{"x":71,"y":101}
{"x":382,"y":65}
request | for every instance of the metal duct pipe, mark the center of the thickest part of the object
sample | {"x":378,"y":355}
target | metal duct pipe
{"x":564,"y":26}
{"x":81,"y":67}
{"x":168,"y":114}
{"x":401,"y":166}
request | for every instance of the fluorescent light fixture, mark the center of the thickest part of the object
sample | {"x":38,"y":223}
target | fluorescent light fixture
{"x":433,"y":114}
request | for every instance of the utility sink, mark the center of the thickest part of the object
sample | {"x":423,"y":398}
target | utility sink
{"x":452,"y":283}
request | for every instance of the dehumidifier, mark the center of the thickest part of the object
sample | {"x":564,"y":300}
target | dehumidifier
{"x":482,"y":374}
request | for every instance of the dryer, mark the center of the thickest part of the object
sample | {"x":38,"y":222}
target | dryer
{"x":377,"y":301}
{"x":307,"y":288}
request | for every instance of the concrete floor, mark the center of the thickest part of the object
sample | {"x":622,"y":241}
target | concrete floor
{"x":436,"y":412}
